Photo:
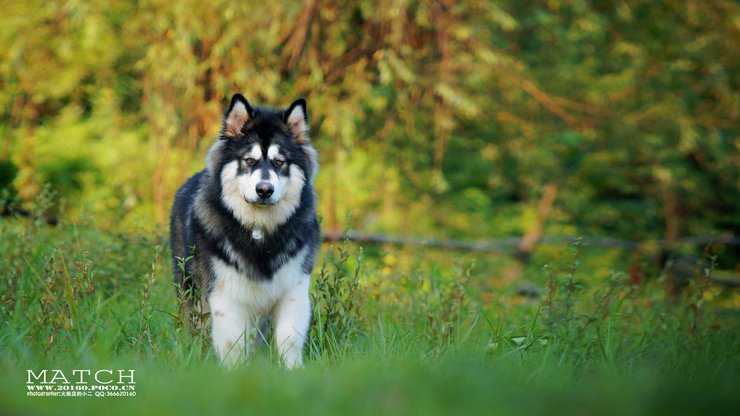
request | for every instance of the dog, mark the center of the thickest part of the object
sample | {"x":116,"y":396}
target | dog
{"x":244,"y":232}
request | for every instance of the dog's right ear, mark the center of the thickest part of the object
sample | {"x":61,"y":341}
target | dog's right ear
{"x":238,"y":114}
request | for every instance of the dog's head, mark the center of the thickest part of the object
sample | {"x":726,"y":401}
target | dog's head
{"x":263,"y":159}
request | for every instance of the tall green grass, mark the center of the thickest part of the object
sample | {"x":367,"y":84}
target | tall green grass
{"x":436,"y":340}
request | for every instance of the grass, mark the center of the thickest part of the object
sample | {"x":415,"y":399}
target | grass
{"x":435,"y":337}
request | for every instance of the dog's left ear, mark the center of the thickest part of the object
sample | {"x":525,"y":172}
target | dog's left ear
{"x":296,"y":118}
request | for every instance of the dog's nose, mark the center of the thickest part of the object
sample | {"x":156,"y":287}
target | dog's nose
{"x":265,"y":190}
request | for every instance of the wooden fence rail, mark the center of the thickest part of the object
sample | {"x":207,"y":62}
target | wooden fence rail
{"x":509,"y":244}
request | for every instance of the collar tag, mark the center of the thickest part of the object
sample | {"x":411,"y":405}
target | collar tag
{"x":257,"y":234}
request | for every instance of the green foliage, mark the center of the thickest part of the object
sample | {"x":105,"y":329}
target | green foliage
{"x":629,"y":108}
{"x":335,"y":301}
{"x":8,"y":194}
{"x":8,"y":171}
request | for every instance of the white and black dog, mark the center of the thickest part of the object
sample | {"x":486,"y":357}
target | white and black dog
{"x":245,"y":229}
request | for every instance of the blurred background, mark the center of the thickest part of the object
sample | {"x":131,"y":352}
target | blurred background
{"x":471,"y":120}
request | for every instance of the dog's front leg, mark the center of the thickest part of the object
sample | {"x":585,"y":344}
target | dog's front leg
{"x":231,"y":327}
{"x":292,"y":314}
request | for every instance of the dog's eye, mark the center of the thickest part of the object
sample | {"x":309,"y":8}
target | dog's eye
{"x":278,"y":162}
{"x":249,"y":161}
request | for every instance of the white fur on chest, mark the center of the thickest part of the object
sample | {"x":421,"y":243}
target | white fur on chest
{"x":257,"y":297}
{"x":236,"y":301}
